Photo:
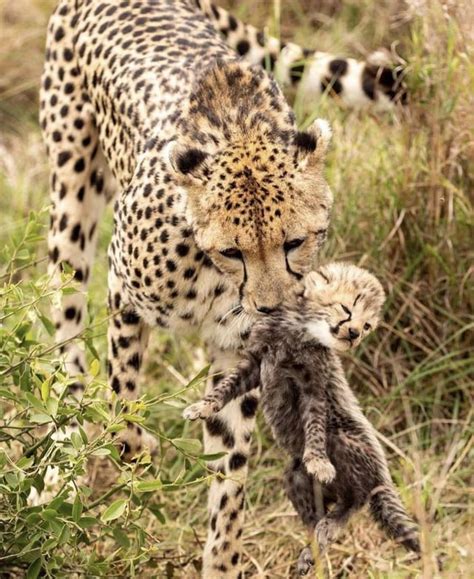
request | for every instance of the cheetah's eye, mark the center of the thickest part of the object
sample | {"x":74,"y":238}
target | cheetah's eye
{"x":231,"y":253}
{"x":367,"y":327}
{"x":293,"y":244}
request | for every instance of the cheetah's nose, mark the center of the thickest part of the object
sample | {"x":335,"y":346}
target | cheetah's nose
{"x":353,"y":334}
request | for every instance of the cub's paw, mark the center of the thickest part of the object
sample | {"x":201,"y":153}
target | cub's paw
{"x":325,"y":533}
{"x":321,"y":468}
{"x":305,"y":561}
{"x":203,"y":409}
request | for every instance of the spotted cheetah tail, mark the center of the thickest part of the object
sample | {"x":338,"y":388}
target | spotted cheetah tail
{"x":387,"y":509}
{"x":373,"y":84}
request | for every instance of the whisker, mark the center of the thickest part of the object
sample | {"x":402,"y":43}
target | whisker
{"x":238,"y":308}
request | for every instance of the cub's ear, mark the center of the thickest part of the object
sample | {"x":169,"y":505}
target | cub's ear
{"x":312,"y":144}
{"x":188,"y":164}
{"x":314,"y":282}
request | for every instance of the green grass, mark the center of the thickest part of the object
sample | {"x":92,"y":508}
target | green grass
{"x":401,"y":183}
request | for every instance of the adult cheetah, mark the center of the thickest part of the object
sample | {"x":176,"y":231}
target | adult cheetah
{"x":220,"y":201}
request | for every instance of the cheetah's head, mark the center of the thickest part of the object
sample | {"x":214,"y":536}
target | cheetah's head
{"x":259,"y":209}
{"x":343,"y":304}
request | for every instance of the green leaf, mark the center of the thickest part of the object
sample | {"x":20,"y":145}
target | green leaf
{"x":48,"y":324}
{"x":77,"y":509}
{"x":34,"y":569}
{"x":155,"y":509}
{"x":34,"y":401}
{"x":25,"y":462}
{"x":202,"y":375}
{"x":49,"y":514}
{"x":76,"y":440}
{"x":101,"y":452}
{"x":214,"y":456}
{"x":114,"y":511}
{"x":45,"y":389}
{"x":86,"y":522}
{"x":121,"y":538}
{"x":95,"y":368}
{"x":147,"y":486}
{"x":191,"y":445}
{"x":40,"y":418}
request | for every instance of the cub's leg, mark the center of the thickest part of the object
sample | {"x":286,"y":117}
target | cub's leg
{"x":329,"y":526}
{"x":229,"y":431}
{"x":127,"y":340}
{"x":299,"y":486}
{"x":80,"y":180}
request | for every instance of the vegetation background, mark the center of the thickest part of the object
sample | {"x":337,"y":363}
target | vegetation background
{"x":402,"y":183}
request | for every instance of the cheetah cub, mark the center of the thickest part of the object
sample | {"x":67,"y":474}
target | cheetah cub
{"x":314,"y":416}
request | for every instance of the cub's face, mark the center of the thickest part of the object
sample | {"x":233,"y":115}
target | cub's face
{"x":344,"y":304}
{"x":260,"y":211}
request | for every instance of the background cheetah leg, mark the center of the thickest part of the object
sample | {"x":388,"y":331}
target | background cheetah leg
{"x":127,"y":340}
{"x":80,"y":182}
{"x":230,"y":432}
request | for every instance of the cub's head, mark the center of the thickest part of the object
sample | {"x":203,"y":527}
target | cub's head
{"x":259,"y":209}
{"x":343,"y":304}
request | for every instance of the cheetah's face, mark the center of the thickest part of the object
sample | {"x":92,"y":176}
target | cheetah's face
{"x":344,"y":304}
{"x":260,"y":211}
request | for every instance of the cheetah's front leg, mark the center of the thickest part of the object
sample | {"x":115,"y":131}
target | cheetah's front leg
{"x":127,"y":341}
{"x":228,"y":431}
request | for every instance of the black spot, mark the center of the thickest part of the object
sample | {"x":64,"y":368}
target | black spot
{"x":296,"y":72}
{"x":130,"y":318}
{"x":134,"y":361}
{"x":235,"y":559}
{"x":76,"y":232}
{"x":59,"y":35}
{"x":338,"y":67}
{"x":243,"y":47}
{"x":189,"y":160}
{"x":70,"y":313}
{"x":232,"y":22}
{"x":182,"y":249}
{"x":305,"y":141}
{"x":237,"y":460}
{"x":217,"y":427}
{"x":79,"y":165}
{"x":64,"y":157}
{"x":214,"y":522}
{"x":224,"y":500}
{"x":116,"y":384}
{"x":249,"y":406}
{"x":63,"y":223}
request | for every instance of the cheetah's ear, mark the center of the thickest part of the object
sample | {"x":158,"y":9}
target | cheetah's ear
{"x":312,"y":144}
{"x":188,"y":164}
{"x":314,"y":281}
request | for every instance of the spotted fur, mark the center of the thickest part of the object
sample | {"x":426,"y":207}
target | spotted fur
{"x":312,"y":412}
{"x":143,"y":102}
{"x":372,"y":84}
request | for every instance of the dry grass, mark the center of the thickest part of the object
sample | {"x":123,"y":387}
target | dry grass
{"x":402,"y":184}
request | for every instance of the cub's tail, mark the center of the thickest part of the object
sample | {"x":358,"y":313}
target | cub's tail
{"x":389,"y":512}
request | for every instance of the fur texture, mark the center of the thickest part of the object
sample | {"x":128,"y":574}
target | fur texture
{"x":312,"y":412}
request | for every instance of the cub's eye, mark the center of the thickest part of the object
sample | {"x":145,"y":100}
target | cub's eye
{"x":231,"y":253}
{"x":367,"y":327}
{"x":347,"y":310}
{"x":293,"y":244}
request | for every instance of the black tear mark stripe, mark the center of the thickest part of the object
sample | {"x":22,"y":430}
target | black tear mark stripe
{"x":295,"y":274}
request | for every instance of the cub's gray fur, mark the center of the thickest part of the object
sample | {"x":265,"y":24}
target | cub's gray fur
{"x":313,"y":414}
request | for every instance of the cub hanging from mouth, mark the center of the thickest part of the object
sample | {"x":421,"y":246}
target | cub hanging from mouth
{"x":314,"y":416}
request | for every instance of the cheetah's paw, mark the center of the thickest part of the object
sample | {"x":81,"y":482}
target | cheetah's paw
{"x":325,"y":533}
